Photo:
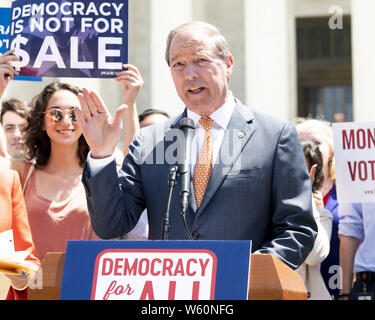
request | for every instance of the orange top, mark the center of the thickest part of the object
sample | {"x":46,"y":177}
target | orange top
{"x":13,"y":213}
{"x":53,"y":223}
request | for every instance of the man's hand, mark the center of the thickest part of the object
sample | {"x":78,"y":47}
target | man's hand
{"x":7,"y":72}
{"x":101,"y":131}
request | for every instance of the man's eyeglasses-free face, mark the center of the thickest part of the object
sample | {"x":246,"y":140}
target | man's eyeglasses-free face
{"x":56,"y":114}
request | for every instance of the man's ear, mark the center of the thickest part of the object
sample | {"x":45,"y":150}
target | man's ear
{"x":229,"y":63}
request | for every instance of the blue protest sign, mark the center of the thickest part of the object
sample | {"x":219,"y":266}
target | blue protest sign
{"x":156,"y":270}
{"x":64,"y":38}
{"x":4,"y":39}
{"x":4,"y":29}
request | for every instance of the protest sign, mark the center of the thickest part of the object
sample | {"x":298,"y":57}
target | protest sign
{"x":63,"y":38}
{"x":154,"y":273}
{"x":4,"y":38}
{"x":354,"y":147}
{"x":4,"y":29}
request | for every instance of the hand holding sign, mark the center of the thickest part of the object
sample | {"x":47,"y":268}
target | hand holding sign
{"x":20,"y":281}
{"x":25,"y":59}
{"x":101,"y":131}
{"x":7,"y":72}
{"x":133,"y":82}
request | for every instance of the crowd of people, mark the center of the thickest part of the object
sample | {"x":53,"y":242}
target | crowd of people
{"x":65,"y":178}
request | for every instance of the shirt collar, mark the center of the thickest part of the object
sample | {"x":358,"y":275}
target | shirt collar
{"x":221,"y":116}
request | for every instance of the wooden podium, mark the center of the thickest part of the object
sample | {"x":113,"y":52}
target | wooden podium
{"x":52,"y":272}
{"x":270,"y":279}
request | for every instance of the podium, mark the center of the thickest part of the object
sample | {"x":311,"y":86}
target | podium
{"x":270,"y":279}
{"x":52,"y":272}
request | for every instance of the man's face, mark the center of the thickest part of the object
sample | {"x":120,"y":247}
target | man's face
{"x":199,"y":74}
{"x":13,"y":125}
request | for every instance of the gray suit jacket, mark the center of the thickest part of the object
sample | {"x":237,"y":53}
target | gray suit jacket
{"x":260,"y":189}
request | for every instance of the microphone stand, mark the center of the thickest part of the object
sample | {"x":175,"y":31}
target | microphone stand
{"x":186,"y":126}
{"x":185,"y":226}
{"x":172,"y":177}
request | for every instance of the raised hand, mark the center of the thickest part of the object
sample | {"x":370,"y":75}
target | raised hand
{"x":133,"y":82}
{"x":101,"y":131}
{"x":7,"y":72}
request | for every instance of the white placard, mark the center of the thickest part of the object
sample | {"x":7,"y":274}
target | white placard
{"x":167,"y":274}
{"x":354,"y":147}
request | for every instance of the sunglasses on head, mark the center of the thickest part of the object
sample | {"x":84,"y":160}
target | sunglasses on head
{"x":56,"y":114}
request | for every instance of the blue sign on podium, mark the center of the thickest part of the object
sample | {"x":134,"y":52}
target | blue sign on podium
{"x":156,"y":270}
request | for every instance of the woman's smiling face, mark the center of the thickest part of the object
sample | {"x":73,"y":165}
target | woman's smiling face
{"x":65,"y":131}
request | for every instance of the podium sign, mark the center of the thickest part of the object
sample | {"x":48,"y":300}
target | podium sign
{"x":156,"y":270}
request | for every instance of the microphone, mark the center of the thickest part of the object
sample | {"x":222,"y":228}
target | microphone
{"x":186,"y":125}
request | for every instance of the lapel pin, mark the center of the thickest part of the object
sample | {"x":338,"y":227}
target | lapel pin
{"x":240,"y":134}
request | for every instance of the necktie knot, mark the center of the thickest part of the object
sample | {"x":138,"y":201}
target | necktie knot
{"x":206,"y":123}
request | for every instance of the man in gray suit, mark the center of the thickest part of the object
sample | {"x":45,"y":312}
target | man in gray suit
{"x":258,"y":187}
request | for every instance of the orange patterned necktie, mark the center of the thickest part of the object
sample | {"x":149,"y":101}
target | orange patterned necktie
{"x":203,"y":167}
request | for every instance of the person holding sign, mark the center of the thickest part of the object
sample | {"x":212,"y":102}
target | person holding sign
{"x":250,"y":180}
{"x":13,"y":216}
{"x":54,"y":194}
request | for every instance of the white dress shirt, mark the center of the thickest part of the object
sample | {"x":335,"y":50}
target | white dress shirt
{"x":221,"y":119}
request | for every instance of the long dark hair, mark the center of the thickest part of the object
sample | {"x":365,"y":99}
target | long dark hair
{"x":37,"y":142}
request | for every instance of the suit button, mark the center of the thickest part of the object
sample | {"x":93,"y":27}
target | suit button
{"x":195,"y":235}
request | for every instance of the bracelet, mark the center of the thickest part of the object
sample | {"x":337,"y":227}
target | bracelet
{"x":343,"y":295}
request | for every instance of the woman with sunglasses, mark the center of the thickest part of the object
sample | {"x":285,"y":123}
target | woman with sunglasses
{"x":54,"y":194}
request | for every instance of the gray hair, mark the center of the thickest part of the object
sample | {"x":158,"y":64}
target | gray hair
{"x":220,"y":43}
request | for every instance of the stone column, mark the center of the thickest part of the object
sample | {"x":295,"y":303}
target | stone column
{"x":271,"y":57}
{"x":229,"y":18}
{"x":165,"y":15}
{"x":363,"y":46}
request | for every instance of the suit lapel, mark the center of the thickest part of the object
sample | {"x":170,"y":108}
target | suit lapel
{"x":174,"y":124}
{"x":240,"y":129}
